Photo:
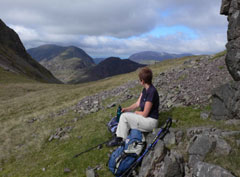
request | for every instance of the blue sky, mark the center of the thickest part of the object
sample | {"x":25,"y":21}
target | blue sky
{"x":119,"y":28}
{"x":165,"y":31}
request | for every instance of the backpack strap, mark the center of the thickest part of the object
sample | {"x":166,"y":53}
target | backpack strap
{"x":119,"y":160}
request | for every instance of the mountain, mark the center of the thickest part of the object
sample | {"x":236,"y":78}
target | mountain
{"x":14,"y":58}
{"x":98,"y":60}
{"x":146,"y":56}
{"x":66,"y":63}
{"x":110,"y":67}
{"x":47,"y":51}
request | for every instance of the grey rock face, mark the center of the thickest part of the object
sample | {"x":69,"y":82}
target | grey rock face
{"x":162,"y":162}
{"x":222,"y":147}
{"x":191,"y":132}
{"x":177,"y":87}
{"x":204,"y":141}
{"x":199,"y":147}
{"x":225,"y":7}
{"x":226,"y":102}
{"x":204,"y":115}
{"x":231,"y":8}
{"x":233,"y":122}
{"x":171,"y":166}
{"x":152,"y":158}
{"x":90,"y":172}
{"x":170,"y":138}
{"x":238,"y":143}
{"x":202,"y":169}
{"x":61,"y":133}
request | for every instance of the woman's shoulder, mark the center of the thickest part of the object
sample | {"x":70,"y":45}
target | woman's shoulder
{"x":153,"y":88}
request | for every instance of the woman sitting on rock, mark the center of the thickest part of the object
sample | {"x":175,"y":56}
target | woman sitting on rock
{"x":144,"y":120}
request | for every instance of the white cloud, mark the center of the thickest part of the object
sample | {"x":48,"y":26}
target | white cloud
{"x":26,"y":34}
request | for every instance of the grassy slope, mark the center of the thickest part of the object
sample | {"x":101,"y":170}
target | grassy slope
{"x":68,"y":69}
{"x":28,"y":66}
{"x":25,"y":146}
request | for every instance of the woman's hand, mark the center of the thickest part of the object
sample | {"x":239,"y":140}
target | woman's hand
{"x":147,"y":108}
{"x":138,"y":112}
{"x":124,"y":109}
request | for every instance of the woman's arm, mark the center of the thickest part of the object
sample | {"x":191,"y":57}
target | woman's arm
{"x":147,"y":109}
{"x":134,"y":105}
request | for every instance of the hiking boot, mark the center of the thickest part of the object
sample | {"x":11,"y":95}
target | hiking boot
{"x":116,"y":141}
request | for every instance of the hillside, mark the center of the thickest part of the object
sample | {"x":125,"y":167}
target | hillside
{"x":150,"y":57}
{"x":14,"y":58}
{"x":66,"y":63}
{"x":44,"y":125}
{"x":109,"y":67}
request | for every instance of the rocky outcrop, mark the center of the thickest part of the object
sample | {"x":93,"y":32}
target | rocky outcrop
{"x":202,"y":169}
{"x":226,"y":104}
{"x":178,"y":87}
{"x":231,"y":8}
{"x":163,"y":162}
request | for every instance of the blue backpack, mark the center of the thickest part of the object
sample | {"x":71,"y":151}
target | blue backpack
{"x":124,"y":156}
{"x":112,"y":125}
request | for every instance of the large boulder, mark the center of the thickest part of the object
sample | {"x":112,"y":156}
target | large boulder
{"x":153,"y":157}
{"x":202,"y":144}
{"x":202,"y":169}
{"x":199,"y":147}
{"x":231,"y":8}
{"x":226,"y":102}
{"x":161,"y":161}
{"x":171,"y":166}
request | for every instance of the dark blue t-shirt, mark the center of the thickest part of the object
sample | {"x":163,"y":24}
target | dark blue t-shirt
{"x":151,"y":94}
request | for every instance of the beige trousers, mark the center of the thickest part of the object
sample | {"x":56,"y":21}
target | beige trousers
{"x":129,"y":120}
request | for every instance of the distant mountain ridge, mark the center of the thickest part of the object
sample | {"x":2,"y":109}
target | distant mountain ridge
{"x":110,"y":67}
{"x":66,"y":63}
{"x":142,"y":57}
{"x":74,"y":65}
{"x":14,"y":58}
{"x":50,"y":51}
{"x":98,"y":60}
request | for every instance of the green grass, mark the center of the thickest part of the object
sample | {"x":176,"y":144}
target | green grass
{"x":220,"y":54}
{"x":56,"y":155}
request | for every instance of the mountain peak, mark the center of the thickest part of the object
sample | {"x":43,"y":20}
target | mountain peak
{"x":15,"y":58}
{"x":66,"y":63}
{"x":110,"y":67}
{"x":153,"y":55}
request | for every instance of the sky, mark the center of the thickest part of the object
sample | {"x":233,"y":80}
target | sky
{"x":119,"y":28}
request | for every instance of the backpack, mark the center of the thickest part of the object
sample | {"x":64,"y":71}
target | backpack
{"x":112,"y":125}
{"x":124,"y":156}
